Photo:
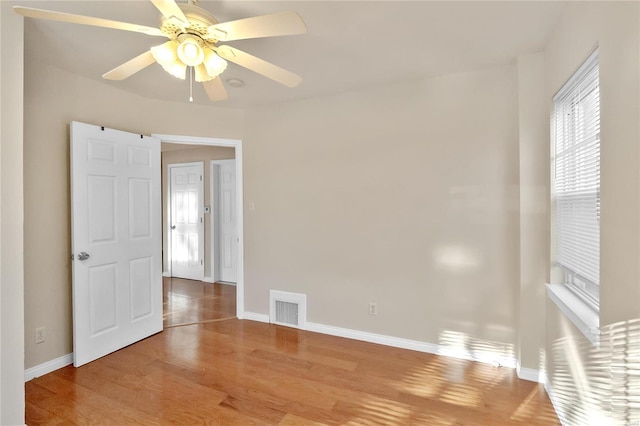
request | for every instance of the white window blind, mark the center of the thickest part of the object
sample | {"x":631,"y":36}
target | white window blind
{"x":577,"y":180}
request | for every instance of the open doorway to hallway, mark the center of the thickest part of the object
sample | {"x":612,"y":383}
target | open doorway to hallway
{"x":204,"y":299}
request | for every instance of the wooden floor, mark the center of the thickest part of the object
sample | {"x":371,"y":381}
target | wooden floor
{"x":243,"y":372}
{"x":191,"y":302}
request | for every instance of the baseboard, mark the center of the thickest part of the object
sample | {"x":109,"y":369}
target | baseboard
{"x":554,"y":400}
{"x":48,"y":367}
{"x":414,"y":345}
{"x":166,"y":274}
{"x":380,"y":339}
{"x":208,"y":280}
{"x":227,"y":283}
{"x":252,"y":316}
{"x":529,"y":374}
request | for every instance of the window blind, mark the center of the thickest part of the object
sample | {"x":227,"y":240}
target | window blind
{"x":577,"y":180}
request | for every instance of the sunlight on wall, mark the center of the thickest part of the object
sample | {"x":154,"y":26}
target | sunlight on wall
{"x":601,"y":387}
{"x":461,"y":345}
{"x":457,"y":257}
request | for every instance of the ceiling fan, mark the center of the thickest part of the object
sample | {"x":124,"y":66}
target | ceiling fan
{"x":194,"y":35}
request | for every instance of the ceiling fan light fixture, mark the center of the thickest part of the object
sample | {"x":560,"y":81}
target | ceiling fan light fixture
{"x":178,"y":70}
{"x":201,"y":74}
{"x":166,"y":53}
{"x":214,"y":64}
{"x":190,"y":52}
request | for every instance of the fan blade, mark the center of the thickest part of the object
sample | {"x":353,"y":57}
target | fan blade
{"x":215,"y":90}
{"x":30,"y":12}
{"x":276,"y":24}
{"x":171,"y":11}
{"x":130,"y":67}
{"x":258,"y":65}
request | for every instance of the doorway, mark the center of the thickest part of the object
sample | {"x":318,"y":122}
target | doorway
{"x":190,"y":142}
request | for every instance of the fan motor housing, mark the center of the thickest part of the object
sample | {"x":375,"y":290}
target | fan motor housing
{"x":199,"y":22}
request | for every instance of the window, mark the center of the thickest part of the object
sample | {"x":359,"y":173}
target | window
{"x":576,"y":183}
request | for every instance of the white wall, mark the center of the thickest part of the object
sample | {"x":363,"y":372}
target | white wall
{"x":11,"y":219}
{"x":404,"y":195}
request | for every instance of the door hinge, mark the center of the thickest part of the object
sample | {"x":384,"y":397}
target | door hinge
{"x":200,"y":178}
{"x":72,"y":256}
{"x":201,"y":262}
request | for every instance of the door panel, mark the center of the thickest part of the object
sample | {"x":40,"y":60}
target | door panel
{"x":101,"y":208}
{"x":102,"y":297}
{"x":228,"y":231}
{"x":116,"y":240}
{"x":187,"y":226}
{"x":141,"y":277}
{"x":140,"y":211}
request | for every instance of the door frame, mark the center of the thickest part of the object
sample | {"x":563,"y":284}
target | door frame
{"x":215,"y":215}
{"x":237,"y":145}
{"x":201,"y":235}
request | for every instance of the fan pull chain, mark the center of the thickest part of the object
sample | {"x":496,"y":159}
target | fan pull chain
{"x":190,"y":84}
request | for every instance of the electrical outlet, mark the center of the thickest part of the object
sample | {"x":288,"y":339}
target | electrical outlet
{"x":40,"y":334}
{"x":373,"y":308}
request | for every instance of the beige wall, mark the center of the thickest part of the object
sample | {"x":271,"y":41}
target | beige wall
{"x":187,"y":155}
{"x":403,"y":195}
{"x":11,"y":219}
{"x":614,"y":26}
{"x":53,"y":98}
{"x":534,"y":208}
{"x":425,"y":197}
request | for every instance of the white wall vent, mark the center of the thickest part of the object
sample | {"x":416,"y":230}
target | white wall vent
{"x":288,"y":309}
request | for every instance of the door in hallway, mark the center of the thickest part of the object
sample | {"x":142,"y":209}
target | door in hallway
{"x":228,"y":227}
{"x":186,"y":222}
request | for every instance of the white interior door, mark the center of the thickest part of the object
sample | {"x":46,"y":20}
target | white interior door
{"x":116,"y":240}
{"x":186,"y":221}
{"x":228,"y":227}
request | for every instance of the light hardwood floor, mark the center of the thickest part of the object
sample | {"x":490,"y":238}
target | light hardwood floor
{"x":243,"y":372}
{"x":190,"y":302}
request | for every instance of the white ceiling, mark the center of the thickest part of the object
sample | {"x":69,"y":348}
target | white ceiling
{"x":349,"y":44}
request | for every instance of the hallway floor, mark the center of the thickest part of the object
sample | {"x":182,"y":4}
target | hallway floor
{"x":191,"y":302}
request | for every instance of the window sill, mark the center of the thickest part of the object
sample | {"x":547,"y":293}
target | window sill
{"x":581,"y":315}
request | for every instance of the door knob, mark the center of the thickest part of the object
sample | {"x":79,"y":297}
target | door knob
{"x":173,"y":227}
{"x":83,"y":256}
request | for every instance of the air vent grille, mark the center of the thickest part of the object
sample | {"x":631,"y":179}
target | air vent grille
{"x":287,"y":313}
{"x":289,"y":309}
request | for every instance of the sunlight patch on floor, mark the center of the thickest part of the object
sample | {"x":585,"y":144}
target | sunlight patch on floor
{"x":422,"y":381}
{"x":462,"y":395}
{"x":383,"y":411}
